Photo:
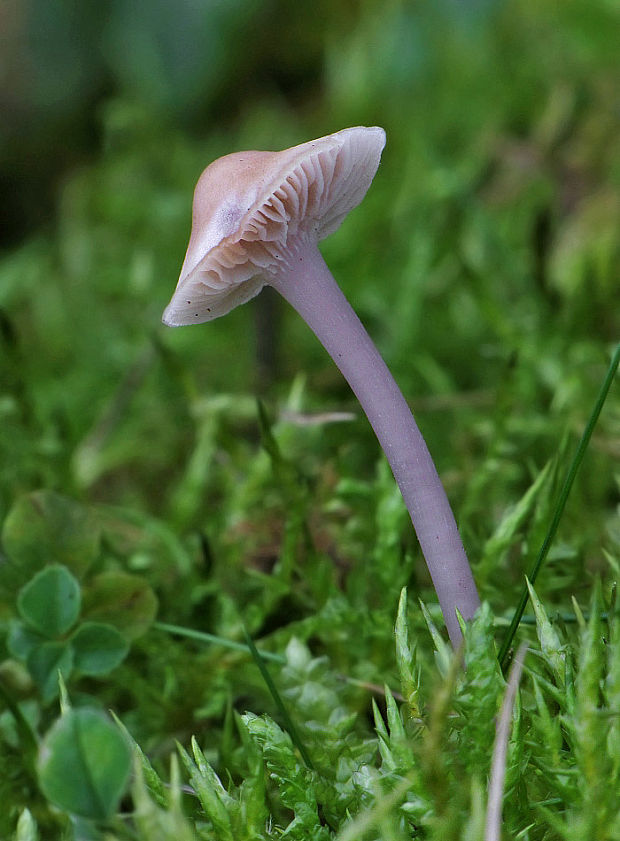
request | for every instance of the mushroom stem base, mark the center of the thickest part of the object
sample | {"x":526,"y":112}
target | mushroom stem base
{"x":308,"y":285}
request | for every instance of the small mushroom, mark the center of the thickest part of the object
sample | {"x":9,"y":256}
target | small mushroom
{"x":257,"y":220}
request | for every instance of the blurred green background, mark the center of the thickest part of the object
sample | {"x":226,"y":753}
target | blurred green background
{"x":484,"y":260}
{"x":485,"y":263}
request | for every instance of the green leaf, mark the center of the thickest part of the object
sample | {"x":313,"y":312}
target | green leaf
{"x":147,"y":777}
{"x":217,"y":804}
{"x":21,"y":640}
{"x":18,"y":724}
{"x":507,"y":531}
{"x":478,"y":694}
{"x":394,"y":743}
{"x":46,"y":528}
{"x":252,"y":806}
{"x":45,"y":662}
{"x":123,"y":600}
{"x":550,"y":643}
{"x":406,"y":658}
{"x":50,"y":603}
{"x":296,"y":784}
{"x":84,"y":764}
{"x":98,"y":648}
{"x":162,"y":818}
{"x":26,"y":827}
{"x":443,"y":653}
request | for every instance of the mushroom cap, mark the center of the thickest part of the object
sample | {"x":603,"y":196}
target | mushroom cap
{"x":248,"y":206}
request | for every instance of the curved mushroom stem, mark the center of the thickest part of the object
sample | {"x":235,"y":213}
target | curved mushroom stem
{"x":307,"y":284}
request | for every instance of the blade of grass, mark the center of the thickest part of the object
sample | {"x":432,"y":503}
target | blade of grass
{"x":565,"y":618}
{"x":503,"y":655}
{"x":288,"y":722}
{"x":203,"y":636}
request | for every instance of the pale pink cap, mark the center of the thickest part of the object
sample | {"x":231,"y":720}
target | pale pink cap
{"x":248,"y":206}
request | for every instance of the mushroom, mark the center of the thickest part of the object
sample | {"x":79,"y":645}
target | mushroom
{"x":257,"y":220}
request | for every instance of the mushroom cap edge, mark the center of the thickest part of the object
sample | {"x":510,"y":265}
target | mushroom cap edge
{"x":248,"y":204}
